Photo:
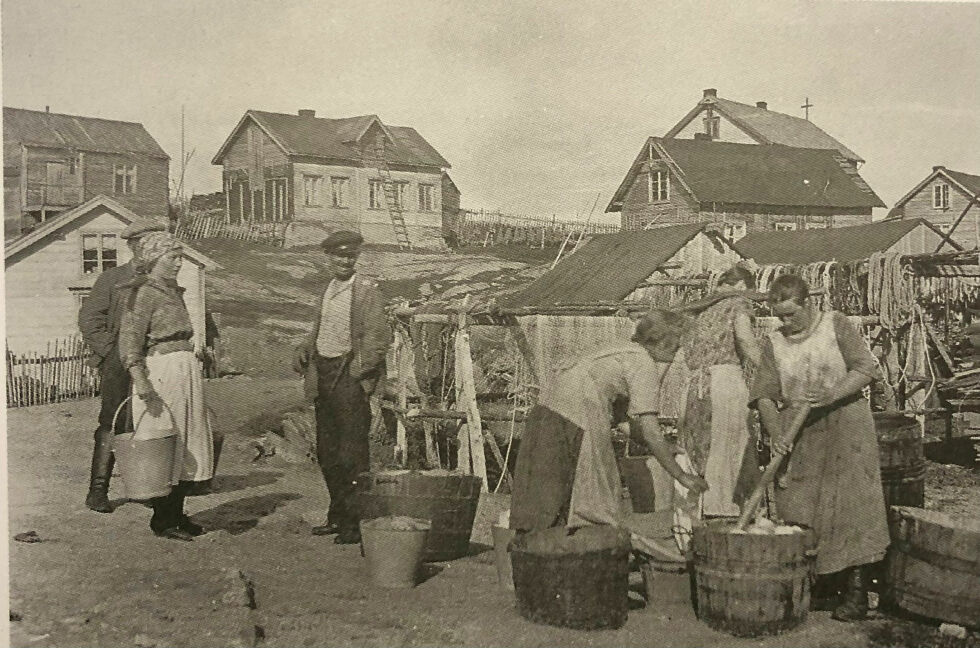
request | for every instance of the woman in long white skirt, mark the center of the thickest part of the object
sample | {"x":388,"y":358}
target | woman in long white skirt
{"x":156,"y":346}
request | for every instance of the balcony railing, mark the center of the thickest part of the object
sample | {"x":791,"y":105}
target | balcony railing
{"x":59,"y":195}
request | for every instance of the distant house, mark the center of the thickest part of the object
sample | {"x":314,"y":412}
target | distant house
{"x":50,"y":271}
{"x":327,"y":174}
{"x":724,"y":120}
{"x":624,"y":266}
{"x":942,"y":198}
{"x":54,"y":162}
{"x":843,"y":244}
{"x":741,"y":188}
{"x":450,"y":205}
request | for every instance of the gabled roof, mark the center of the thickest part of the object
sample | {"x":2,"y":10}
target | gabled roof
{"x":37,"y":128}
{"x":45,"y":229}
{"x":606,"y":269}
{"x":750,"y":174}
{"x":852,"y":243}
{"x":969,"y":184}
{"x":336,"y":139}
{"x":768,"y":126}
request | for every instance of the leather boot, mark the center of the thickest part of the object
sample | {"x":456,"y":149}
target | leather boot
{"x":854,"y":606}
{"x":102,"y":462}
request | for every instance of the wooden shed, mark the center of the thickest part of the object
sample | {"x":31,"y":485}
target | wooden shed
{"x":50,"y":271}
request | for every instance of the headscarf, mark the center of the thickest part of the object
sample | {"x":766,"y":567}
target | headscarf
{"x":152,"y":246}
{"x":658,"y":325}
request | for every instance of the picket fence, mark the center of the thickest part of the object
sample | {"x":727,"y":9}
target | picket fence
{"x":58,"y":374}
{"x":212,"y":224}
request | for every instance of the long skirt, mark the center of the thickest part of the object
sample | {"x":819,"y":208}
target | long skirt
{"x":177,"y":380}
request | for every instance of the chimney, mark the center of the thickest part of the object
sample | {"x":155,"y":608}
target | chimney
{"x":704,"y":137}
{"x":710,"y":93}
{"x":47,"y":109}
{"x":762,"y":104}
{"x":306,"y":112}
{"x":939,"y":168}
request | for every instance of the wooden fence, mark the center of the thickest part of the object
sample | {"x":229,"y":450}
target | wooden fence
{"x":60,"y":373}
{"x":212,"y":224}
{"x":486,"y":228}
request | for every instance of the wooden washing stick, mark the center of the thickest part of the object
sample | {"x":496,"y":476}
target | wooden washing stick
{"x":788,"y":436}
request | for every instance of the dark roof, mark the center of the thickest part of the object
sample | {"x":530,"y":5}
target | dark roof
{"x":769,"y":127}
{"x":800,"y":247}
{"x":754,"y":174}
{"x":606,"y":269}
{"x":37,"y":128}
{"x":335,"y":138}
{"x":969,"y":182}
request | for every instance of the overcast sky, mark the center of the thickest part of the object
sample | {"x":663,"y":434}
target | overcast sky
{"x":538,"y":106}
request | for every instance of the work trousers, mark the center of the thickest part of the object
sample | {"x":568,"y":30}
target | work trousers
{"x":343,"y":420}
{"x":114,"y":390}
{"x":169,"y":509}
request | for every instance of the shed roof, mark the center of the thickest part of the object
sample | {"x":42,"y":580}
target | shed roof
{"x":768,"y":126}
{"x":336,"y":138}
{"x":967,"y":183}
{"x":54,"y":130}
{"x":753,"y":174}
{"x":25,"y":243}
{"x":606,"y":269}
{"x":801,"y":247}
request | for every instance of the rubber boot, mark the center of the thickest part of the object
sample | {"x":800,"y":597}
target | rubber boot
{"x":854,"y":606}
{"x":102,"y":462}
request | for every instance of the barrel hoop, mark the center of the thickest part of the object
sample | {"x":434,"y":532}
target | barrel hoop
{"x":916,"y":470}
{"x":935,"y":558}
{"x":794,"y":572}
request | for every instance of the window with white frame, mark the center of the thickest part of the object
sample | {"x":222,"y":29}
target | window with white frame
{"x":815,"y":225}
{"x":124,"y":178}
{"x":339,"y":191}
{"x":376,"y":194}
{"x":712,"y":126}
{"x":940,"y":196}
{"x":426,"y":197}
{"x":398,"y":194}
{"x":734,"y":231}
{"x":98,"y":252}
{"x":658,"y":186}
{"x":784,"y":227}
{"x":311,"y":190}
{"x":943,"y":227}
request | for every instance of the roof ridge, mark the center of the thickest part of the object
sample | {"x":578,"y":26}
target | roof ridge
{"x":56,"y":114}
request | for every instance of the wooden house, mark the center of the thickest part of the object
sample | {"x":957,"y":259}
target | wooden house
{"x":628,"y":266}
{"x":54,"y":162}
{"x":50,"y":271}
{"x":945,"y":198}
{"x":843,"y":244}
{"x":322,"y":175}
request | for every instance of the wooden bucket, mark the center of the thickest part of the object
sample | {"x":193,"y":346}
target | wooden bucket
{"x":933,"y":565}
{"x":903,"y":466}
{"x":751,"y":585}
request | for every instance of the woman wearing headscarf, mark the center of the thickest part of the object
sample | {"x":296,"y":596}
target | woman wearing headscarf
{"x":566,"y":473}
{"x":714,"y":424}
{"x":156,"y":347}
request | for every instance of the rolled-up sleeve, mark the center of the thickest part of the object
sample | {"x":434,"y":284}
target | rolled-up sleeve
{"x":135,"y":327}
{"x":643,"y":378}
{"x":766,"y":381}
{"x":857,"y":355}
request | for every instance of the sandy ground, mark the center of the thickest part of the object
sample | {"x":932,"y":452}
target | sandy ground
{"x":104,"y":580}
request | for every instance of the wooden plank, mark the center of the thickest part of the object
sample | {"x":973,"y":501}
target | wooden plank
{"x":466,"y":386}
{"x":401,"y":446}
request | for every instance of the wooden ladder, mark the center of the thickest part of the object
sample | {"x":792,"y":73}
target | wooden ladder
{"x":394,"y":205}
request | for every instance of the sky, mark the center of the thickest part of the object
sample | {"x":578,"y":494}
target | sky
{"x":540,"y":107}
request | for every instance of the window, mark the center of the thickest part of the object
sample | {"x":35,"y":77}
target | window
{"x":98,"y":252}
{"x":376,"y":194}
{"x":426,"y":193}
{"x":658,"y":186}
{"x":943,"y":227}
{"x":398,"y":195}
{"x":784,"y":227}
{"x":124,"y":178}
{"x":940,"y":196}
{"x":734,"y":231}
{"x":339,"y":188}
{"x":311,"y":190}
{"x":712,"y":126}
{"x":815,"y":225}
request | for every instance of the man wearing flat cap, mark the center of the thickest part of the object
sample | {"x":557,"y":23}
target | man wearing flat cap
{"x":98,"y":320}
{"x":342,"y":362}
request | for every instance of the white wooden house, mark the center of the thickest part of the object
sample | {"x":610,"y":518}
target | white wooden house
{"x":50,"y":271}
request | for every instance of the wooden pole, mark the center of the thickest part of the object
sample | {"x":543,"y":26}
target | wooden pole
{"x":401,"y":445}
{"x":466,"y":396}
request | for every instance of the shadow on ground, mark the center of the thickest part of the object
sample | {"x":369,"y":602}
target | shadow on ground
{"x":241,"y":515}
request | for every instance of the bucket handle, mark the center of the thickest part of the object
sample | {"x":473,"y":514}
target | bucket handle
{"x":136,"y":425}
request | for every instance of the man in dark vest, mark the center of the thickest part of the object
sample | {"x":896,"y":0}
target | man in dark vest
{"x":343,"y":361}
{"x":98,"y":321}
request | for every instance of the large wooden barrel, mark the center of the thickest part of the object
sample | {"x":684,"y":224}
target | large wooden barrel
{"x":903,"y":465}
{"x":447,"y":499}
{"x":751,"y":585}
{"x":933,"y":565}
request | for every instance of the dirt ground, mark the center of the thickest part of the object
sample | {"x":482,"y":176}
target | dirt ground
{"x":259,"y":578}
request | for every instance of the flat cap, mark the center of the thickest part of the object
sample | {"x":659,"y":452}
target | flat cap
{"x":138,"y":228}
{"x":342,"y":241}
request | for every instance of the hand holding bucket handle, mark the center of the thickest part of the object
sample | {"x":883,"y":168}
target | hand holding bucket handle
{"x":136,"y":424}
{"x":787,"y":438}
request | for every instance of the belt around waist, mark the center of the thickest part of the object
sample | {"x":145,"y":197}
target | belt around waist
{"x":170,"y":346}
